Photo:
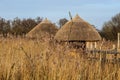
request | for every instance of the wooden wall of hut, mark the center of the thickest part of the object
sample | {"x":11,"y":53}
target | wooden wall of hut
{"x":91,"y":45}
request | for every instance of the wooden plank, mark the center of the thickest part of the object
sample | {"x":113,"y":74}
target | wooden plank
{"x":103,"y":51}
{"x":118,"y":43}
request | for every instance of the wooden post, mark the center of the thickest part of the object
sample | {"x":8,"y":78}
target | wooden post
{"x":95,"y":45}
{"x":87,"y":45}
{"x":100,"y":67}
{"x":91,"y":45}
{"x":118,"y":44}
{"x":116,"y":66}
{"x":115,"y":58}
{"x":113,"y":47}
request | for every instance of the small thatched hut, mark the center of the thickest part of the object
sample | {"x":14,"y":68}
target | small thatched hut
{"x":77,"y":30}
{"x":43,"y":29}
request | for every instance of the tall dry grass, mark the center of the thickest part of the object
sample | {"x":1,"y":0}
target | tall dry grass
{"x":23,"y":59}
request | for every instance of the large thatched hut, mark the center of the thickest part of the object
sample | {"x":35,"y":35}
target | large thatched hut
{"x":77,"y":30}
{"x":43,"y":29}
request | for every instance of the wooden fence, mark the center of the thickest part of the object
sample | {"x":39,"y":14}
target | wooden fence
{"x":102,"y":55}
{"x":115,"y":53}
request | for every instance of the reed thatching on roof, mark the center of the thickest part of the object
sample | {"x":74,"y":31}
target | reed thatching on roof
{"x":77,"y":30}
{"x":44,"y":28}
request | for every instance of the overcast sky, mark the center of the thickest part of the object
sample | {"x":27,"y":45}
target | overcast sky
{"x":96,"y":12}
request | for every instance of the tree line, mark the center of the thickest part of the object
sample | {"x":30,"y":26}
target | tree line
{"x":19,"y":27}
{"x":111,"y":28}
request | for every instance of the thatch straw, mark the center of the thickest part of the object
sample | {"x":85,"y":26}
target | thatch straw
{"x":44,"y":28}
{"x":77,"y":30}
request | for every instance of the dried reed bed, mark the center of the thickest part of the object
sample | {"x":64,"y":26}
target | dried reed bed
{"x":23,"y":59}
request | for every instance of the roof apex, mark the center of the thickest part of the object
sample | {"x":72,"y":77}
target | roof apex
{"x":77,"y":18}
{"x":46,"y":21}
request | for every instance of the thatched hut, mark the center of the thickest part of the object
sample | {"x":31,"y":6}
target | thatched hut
{"x":77,"y":30}
{"x":43,"y":29}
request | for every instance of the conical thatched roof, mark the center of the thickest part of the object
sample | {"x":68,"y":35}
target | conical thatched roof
{"x":77,"y":30}
{"x":44,"y":28}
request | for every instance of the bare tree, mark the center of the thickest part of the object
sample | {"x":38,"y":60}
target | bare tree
{"x":62,"y":22}
{"x":111,"y":28}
